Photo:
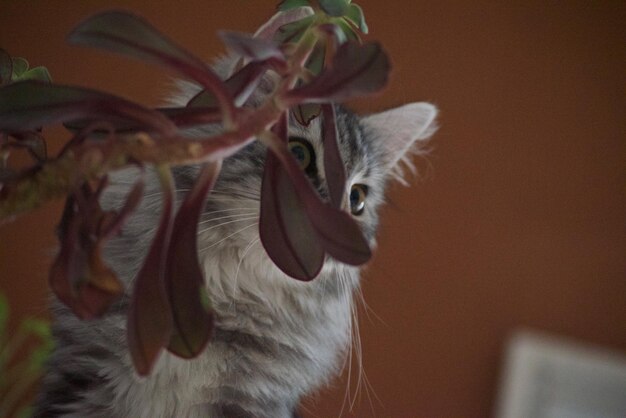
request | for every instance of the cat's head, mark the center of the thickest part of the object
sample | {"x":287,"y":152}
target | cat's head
{"x":375,"y":149}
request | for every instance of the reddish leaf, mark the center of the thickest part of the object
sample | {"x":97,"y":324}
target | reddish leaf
{"x":255,"y":48}
{"x":337,"y":232}
{"x":355,"y":70}
{"x":334,"y":168}
{"x":193,"y":323}
{"x":28,"y":105}
{"x":182,"y":117}
{"x":285,"y":230}
{"x":131,"y":35}
{"x":149,"y":322}
{"x":78,"y":276}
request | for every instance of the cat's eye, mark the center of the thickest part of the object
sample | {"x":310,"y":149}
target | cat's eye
{"x":358,"y":193}
{"x":303,"y":152}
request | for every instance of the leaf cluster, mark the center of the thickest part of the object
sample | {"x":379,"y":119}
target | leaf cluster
{"x":315,"y":53}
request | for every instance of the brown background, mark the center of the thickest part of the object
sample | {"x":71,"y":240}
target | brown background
{"x":520,"y":221}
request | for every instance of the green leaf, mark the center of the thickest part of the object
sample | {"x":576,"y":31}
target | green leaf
{"x":348,"y":30}
{"x":334,"y":7}
{"x":356,"y":16}
{"x":37,"y":327}
{"x":20,"y":65}
{"x":37,"y":73}
{"x":292,"y":4}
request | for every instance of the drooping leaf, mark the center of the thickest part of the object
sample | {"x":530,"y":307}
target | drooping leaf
{"x":192,"y":323}
{"x":282,"y":18}
{"x":356,"y":70}
{"x":284,"y":228}
{"x":334,"y":168}
{"x":149,"y":322}
{"x":337,"y":232}
{"x":28,"y":105}
{"x":99,"y":286}
{"x":246,"y":45}
{"x":6,"y":67}
{"x":356,"y":16}
{"x":292,"y":4}
{"x":79,"y":276}
{"x":334,"y":7}
{"x":127,"y":34}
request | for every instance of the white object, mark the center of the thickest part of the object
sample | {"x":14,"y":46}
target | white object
{"x":547,"y":377}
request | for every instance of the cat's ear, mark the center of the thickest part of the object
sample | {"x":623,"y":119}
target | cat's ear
{"x":401,"y":132}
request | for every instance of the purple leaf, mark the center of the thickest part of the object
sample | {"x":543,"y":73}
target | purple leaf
{"x":338,"y":233}
{"x":149,"y":322}
{"x":255,"y":48}
{"x":285,"y":230}
{"x":28,"y":105}
{"x":182,"y":117}
{"x":356,"y":70}
{"x":79,"y":276}
{"x":334,"y":168}
{"x":6,"y":67}
{"x":131,"y":35}
{"x":193,"y":323}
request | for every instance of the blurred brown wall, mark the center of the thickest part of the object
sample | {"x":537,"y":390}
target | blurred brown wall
{"x":520,"y":220}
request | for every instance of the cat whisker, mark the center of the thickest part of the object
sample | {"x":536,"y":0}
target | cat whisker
{"x":227,"y":210}
{"x":243,"y":256}
{"x":229,"y":236}
{"x":237,"y":215}
{"x":226,"y":223}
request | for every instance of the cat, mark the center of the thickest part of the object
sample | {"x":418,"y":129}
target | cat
{"x":276,"y":339}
